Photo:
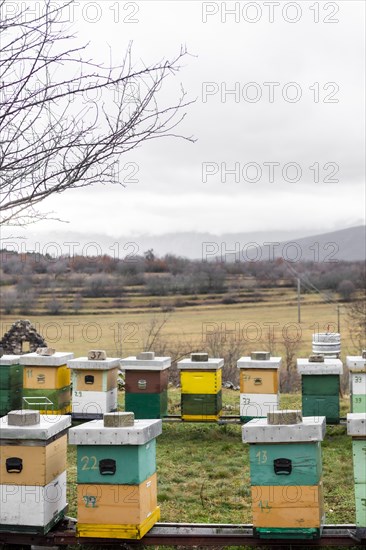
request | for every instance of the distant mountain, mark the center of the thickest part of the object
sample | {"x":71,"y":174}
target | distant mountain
{"x":346,"y":244}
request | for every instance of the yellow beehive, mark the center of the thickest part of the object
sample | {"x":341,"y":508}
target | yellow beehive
{"x":288,"y":506}
{"x":259,"y":380}
{"x":94,"y":380}
{"x":48,"y":378}
{"x":201,"y":382}
{"x":101,"y":507}
{"x":50,"y":460}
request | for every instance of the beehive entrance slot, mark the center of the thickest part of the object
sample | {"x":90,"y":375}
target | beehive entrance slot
{"x":282,"y":466}
{"x":107,"y":467}
{"x":14,"y":465}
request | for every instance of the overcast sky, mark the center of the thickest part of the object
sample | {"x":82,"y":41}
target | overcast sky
{"x":312,"y":116}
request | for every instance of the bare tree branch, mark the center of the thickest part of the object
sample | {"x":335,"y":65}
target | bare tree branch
{"x":64,"y":120}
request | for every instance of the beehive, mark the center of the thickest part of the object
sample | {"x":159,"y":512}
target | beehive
{"x":94,"y":385}
{"x":11,"y":383}
{"x":201,"y":387}
{"x":259,"y":385}
{"x":116,"y":476}
{"x":146,"y":384}
{"x":46,"y":381}
{"x":320,"y":387}
{"x":32,"y":471}
{"x":357,"y":377}
{"x":356,"y":427}
{"x":286,"y":474}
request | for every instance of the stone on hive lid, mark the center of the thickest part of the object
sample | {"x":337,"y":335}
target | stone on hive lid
{"x":23,"y":417}
{"x":45,"y":351}
{"x":97,"y":355}
{"x":199,"y":356}
{"x":284,"y":417}
{"x":316,"y":358}
{"x":118,"y":419}
{"x":364,"y":354}
{"x":356,"y":424}
{"x":260,"y":355}
{"x":145,"y":356}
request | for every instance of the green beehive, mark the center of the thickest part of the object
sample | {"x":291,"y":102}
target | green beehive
{"x":320,"y":384}
{"x":201,"y":404}
{"x":152,"y":405}
{"x":11,"y":384}
{"x":356,"y":427}
{"x":357,"y":378}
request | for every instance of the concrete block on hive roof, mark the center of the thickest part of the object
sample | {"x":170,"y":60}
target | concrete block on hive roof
{"x":356,"y":424}
{"x":47,"y":427}
{"x":97,"y":355}
{"x":145,"y":355}
{"x":6,"y":360}
{"x":23,"y":417}
{"x":354,"y":363}
{"x":260,"y":355}
{"x":247,"y":362}
{"x":316,"y":358}
{"x":199,"y":356}
{"x":58,"y":359}
{"x":312,"y":428}
{"x":135,"y":363}
{"x":85,"y":363}
{"x":330,"y":366}
{"x":118,"y":419}
{"x":45,"y":351}
{"x":95,"y":433}
{"x":284,"y":417}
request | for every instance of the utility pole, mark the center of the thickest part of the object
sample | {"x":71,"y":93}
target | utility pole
{"x":339,"y":318}
{"x":298,"y":301}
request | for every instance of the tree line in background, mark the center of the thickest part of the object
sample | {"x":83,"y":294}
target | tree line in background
{"x":27,"y":276}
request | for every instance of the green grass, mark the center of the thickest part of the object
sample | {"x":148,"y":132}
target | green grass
{"x":203,"y":470}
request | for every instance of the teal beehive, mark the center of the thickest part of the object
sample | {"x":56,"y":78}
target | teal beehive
{"x":356,"y":427}
{"x":320,"y":387}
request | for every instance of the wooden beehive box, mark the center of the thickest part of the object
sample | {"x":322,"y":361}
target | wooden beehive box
{"x":116,"y":476}
{"x":146,"y":384}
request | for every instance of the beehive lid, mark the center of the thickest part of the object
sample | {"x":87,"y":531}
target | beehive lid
{"x":47,"y":427}
{"x":93,"y":364}
{"x":254,"y":363}
{"x":56,"y":360}
{"x":356,"y":424}
{"x":200,"y":361}
{"x":95,"y":433}
{"x":329,"y":366}
{"x":145,"y":361}
{"x":355,"y":363}
{"x":9,"y":360}
{"x":312,"y":428}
